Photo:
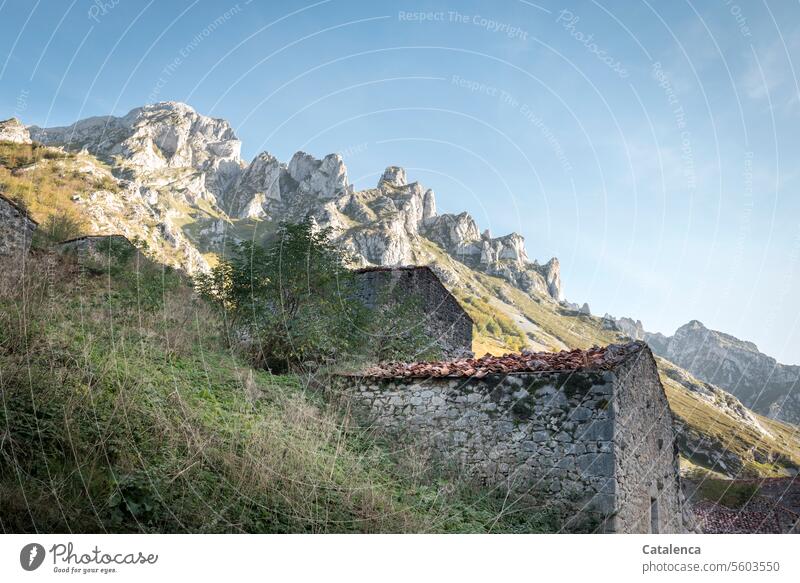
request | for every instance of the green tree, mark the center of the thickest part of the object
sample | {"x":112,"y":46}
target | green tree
{"x":292,"y":301}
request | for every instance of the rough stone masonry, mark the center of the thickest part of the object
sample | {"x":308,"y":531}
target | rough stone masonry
{"x":590,"y":430}
{"x":16,"y":229}
{"x":446,"y":322}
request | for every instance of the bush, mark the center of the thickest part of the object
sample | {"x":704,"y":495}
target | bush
{"x":60,"y":226}
{"x":294,"y":303}
{"x":293,"y":300}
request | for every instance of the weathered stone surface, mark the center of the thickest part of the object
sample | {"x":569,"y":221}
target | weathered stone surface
{"x":445,"y":321}
{"x":12,"y":130}
{"x":394,"y":176}
{"x":608,"y":447}
{"x":16,"y":229}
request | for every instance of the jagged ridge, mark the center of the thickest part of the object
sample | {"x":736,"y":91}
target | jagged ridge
{"x":167,"y":151}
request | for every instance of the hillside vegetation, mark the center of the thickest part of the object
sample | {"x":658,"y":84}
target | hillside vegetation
{"x":123,"y":409}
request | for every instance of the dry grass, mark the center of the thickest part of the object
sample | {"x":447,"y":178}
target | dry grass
{"x":123,"y":410}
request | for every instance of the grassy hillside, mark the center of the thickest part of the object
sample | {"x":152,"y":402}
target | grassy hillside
{"x":122,"y":409}
{"x":506,"y":319}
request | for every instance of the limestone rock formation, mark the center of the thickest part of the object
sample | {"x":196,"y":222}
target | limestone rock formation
{"x":167,"y":153}
{"x":758,"y":380}
{"x":157,"y":138}
{"x":12,"y":130}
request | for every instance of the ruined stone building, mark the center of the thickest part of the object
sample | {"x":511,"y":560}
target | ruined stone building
{"x":95,"y":244}
{"x":16,"y":229}
{"x":100,"y":251}
{"x":446,"y":322}
{"x":590,"y":430}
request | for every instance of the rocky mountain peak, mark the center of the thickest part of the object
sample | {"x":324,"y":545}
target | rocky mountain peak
{"x":759,"y":381}
{"x":167,"y":151}
{"x":157,"y":138}
{"x":393,"y":176}
{"x":12,"y":130}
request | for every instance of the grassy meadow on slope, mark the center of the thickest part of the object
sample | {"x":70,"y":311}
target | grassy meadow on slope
{"x":123,"y":409}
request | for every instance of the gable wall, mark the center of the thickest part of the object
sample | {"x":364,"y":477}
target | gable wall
{"x":544,"y":433}
{"x":446,"y":321}
{"x":16,"y":230}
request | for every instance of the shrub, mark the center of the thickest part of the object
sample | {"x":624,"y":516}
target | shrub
{"x":60,"y":226}
{"x":294,"y":303}
{"x":292,"y":300}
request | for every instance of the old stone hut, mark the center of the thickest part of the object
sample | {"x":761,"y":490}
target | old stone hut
{"x":16,"y":229}
{"x":446,"y":322}
{"x":99,"y":250}
{"x":591,"y":429}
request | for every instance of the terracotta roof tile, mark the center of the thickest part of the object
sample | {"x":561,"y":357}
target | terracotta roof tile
{"x":592,"y":359}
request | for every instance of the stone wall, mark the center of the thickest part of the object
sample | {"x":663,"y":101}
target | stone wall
{"x":649,"y":498}
{"x":528,"y":433}
{"x":446,"y":322}
{"x":599,"y":444}
{"x":16,"y":229}
{"x":100,"y":251}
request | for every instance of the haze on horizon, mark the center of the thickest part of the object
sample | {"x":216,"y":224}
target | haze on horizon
{"x":649,"y":147}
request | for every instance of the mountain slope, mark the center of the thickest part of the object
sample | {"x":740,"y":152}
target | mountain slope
{"x":173,"y":179}
{"x":759,"y":381}
{"x":180,"y":173}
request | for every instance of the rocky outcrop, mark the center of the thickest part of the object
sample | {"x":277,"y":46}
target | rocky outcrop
{"x":155,"y":139}
{"x":324,"y":179}
{"x":167,"y":152}
{"x":12,"y":130}
{"x":633,"y":329}
{"x":394,"y":176}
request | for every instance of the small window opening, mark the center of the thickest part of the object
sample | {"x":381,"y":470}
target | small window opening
{"x":654,"y":515}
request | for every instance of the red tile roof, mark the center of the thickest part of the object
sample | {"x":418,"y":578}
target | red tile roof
{"x":592,"y":359}
{"x":371,"y":268}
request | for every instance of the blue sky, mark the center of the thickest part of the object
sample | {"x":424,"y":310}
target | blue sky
{"x":651,"y":146}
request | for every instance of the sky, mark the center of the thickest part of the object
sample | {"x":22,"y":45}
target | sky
{"x":651,"y":146}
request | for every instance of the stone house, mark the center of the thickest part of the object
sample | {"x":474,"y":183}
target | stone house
{"x":446,"y":322}
{"x":16,"y":229}
{"x":99,"y":250}
{"x":589,"y":430}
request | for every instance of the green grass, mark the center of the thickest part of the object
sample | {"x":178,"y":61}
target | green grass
{"x":42,"y":180}
{"x":730,"y":493}
{"x":123,"y":410}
